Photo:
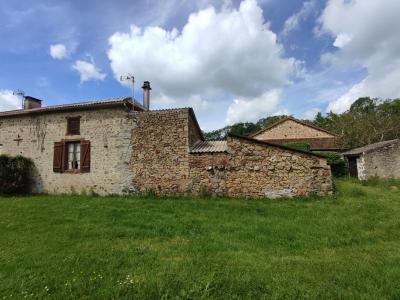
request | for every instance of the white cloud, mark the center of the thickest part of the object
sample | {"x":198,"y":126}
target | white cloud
{"x":231,"y":51}
{"x":58,"y":51}
{"x":8,"y":101}
{"x":342,"y":40}
{"x":294,"y":20}
{"x":254,"y":109}
{"x":310,"y":114}
{"x":366,"y":33}
{"x":88,"y":70}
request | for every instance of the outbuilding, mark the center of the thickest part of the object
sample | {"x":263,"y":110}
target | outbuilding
{"x":380,"y":160}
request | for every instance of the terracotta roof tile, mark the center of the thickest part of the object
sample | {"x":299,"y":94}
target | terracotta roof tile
{"x":74,"y":106}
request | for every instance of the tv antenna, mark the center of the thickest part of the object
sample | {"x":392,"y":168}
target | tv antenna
{"x":130,"y":78}
{"x":22,"y":95}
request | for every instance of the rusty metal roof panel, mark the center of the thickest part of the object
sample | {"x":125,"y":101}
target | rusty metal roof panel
{"x":209,"y":147}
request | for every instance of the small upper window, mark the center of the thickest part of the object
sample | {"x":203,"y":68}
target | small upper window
{"x":74,"y":126}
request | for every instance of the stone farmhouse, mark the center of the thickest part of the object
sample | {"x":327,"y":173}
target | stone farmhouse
{"x":120,"y":146}
{"x":375,"y":160}
{"x":291,"y":130}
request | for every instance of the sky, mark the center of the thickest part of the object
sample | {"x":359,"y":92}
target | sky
{"x":232,"y":61}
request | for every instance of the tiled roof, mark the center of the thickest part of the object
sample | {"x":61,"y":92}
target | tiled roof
{"x":370,"y":147}
{"x":75,"y":106}
{"x":209,"y":146}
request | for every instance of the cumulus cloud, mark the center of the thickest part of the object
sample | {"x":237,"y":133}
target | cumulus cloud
{"x":249,"y":110}
{"x":310,"y":114}
{"x":58,"y":51}
{"x":230,"y":51}
{"x":294,"y":20}
{"x":88,"y":70}
{"x":366,"y":34}
{"x":8,"y":101}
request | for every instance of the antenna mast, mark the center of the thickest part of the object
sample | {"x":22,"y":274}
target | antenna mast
{"x":131,"y":78}
{"x":22,"y":95}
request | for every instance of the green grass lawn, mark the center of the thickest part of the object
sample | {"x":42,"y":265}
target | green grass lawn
{"x":67,"y":247}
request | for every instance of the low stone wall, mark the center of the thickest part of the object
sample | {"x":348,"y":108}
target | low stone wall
{"x":257,"y":170}
{"x":208,"y":172}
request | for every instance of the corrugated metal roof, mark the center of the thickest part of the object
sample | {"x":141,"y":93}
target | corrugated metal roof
{"x":210,"y":146}
{"x":72,"y":106}
{"x":370,"y":147}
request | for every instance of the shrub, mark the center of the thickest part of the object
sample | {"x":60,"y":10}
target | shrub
{"x":299,"y":146}
{"x":336,"y":161}
{"x":15,"y":175}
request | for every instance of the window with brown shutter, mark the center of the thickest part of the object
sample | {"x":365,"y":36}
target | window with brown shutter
{"x":85,"y":156}
{"x":58,"y":157}
{"x":72,"y":157}
{"x":74,"y":126}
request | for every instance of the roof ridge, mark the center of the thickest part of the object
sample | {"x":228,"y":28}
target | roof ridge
{"x":77,"y":105}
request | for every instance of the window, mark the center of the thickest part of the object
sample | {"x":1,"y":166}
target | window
{"x":74,"y":126}
{"x":74,"y":156}
{"x":71,"y":157}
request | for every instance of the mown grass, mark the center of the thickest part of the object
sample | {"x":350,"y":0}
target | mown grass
{"x":70,"y":247}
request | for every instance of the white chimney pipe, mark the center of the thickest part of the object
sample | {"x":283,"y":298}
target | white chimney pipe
{"x":146,"y":94}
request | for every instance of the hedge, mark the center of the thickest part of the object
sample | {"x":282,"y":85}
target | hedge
{"x":336,"y":161}
{"x":299,"y":146}
{"x":15,"y":175}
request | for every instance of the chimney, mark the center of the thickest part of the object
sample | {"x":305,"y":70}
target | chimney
{"x":146,"y":94}
{"x":30,"y":102}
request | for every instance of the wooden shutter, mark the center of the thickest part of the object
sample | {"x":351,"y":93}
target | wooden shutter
{"x":74,"y":126}
{"x":58,"y":157}
{"x":85,"y":156}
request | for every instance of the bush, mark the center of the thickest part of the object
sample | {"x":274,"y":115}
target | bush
{"x":336,"y":161}
{"x":299,"y":146}
{"x":15,"y":175}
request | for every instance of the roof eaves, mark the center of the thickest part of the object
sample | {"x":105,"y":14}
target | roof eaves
{"x":370,"y":148}
{"x":71,"y":107}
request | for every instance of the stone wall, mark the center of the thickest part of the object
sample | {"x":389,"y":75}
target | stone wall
{"x":291,"y":130}
{"x":257,"y":170}
{"x":161,"y":142}
{"x":383,"y":163}
{"x":208,"y":172}
{"x":108,"y":130}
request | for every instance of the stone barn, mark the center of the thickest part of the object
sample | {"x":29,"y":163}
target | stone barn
{"x":291,"y":130}
{"x":120,"y":146}
{"x":380,"y":160}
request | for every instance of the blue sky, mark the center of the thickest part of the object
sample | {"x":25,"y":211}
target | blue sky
{"x":231,"y":60}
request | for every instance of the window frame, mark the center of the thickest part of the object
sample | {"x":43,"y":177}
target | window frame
{"x":67,"y":161}
{"x":70,"y":122}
